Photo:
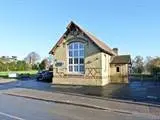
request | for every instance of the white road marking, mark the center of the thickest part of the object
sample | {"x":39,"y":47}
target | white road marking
{"x":11,"y":116}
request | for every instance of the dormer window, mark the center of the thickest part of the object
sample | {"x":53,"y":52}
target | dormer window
{"x":76,"y":57}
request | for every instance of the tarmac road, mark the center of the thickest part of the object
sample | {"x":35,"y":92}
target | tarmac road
{"x":18,"y":108}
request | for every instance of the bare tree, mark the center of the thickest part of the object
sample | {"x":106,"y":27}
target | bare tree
{"x":138,"y":64}
{"x":148,"y":64}
{"x":32,"y":58}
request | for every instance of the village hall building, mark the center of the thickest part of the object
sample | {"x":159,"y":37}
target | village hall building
{"x":83,"y":59}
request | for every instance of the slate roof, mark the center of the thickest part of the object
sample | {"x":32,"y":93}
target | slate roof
{"x":95,"y":40}
{"x":121,"y":59}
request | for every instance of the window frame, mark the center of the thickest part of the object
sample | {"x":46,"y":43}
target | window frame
{"x":71,"y":48}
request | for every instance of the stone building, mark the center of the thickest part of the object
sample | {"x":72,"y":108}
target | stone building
{"x":82,"y":59}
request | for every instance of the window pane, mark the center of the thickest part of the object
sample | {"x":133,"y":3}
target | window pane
{"x":71,"y":46}
{"x":81,"y":61}
{"x":75,"y":60}
{"x":70,"y":61}
{"x":75,"y":45}
{"x":81,"y":53}
{"x":81,"y":68}
{"x":117,"y":69}
{"x":76,"y":57}
{"x":76,"y":68}
{"x":76,"y":53}
{"x":70,"y":54}
{"x":81,"y":46}
{"x":70,"y":68}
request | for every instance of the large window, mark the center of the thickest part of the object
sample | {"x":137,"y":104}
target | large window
{"x":76,"y":57}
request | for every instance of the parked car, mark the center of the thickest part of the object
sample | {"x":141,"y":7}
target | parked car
{"x":45,"y":76}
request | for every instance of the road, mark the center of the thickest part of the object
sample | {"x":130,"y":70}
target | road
{"x":18,"y":108}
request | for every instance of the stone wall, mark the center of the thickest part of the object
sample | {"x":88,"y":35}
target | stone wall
{"x":121,"y":76}
{"x":93,"y":64}
{"x":105,"y":68}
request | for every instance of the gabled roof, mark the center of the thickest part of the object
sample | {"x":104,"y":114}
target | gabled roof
{"x":95,"y":40}
{"x":121,"y":59}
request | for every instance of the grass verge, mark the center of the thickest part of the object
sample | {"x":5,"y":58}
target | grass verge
{"x":5,"y":73}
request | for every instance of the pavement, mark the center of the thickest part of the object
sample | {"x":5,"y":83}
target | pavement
{"x":19,"y":108}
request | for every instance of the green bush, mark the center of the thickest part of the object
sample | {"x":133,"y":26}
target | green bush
{"x":155,"y":70}
{"x":15,"y":66}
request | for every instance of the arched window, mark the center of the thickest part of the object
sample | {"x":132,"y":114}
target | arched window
{"x":76,"y":57}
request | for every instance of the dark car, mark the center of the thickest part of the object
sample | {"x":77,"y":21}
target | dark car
{"x":45,"y":76}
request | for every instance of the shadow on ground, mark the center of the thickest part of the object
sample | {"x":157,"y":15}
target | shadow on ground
{"x":136,"y":90}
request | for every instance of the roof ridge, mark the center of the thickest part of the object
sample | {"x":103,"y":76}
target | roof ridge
{"x":103,"y":46}
{"x":93,"y":37}
{"x":85,"y":30}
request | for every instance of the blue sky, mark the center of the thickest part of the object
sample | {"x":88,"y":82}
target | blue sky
{"x":35,"y":25}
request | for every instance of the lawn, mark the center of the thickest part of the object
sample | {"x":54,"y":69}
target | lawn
{"x":5,"y":73}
